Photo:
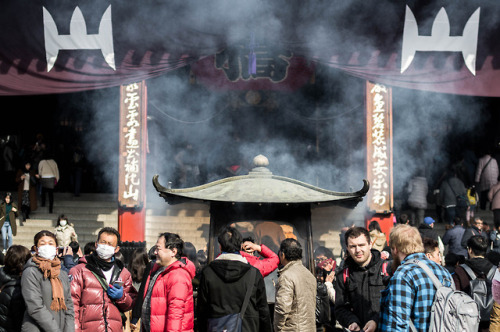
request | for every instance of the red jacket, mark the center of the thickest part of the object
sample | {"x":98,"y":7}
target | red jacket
{"x":94,"y":310}
{"x":172,"y":307}
{"x":266,"y":265}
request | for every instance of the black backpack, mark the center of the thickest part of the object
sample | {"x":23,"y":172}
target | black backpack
{"x":322,"y":305}
{"x":480,"y":291}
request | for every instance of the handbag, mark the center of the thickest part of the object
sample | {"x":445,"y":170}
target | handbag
{"x":232,"y":322}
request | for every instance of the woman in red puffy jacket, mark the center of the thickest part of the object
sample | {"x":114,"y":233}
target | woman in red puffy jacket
{"x":168,"y":301}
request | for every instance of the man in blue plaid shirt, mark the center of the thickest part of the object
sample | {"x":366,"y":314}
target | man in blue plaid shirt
{"x":410,"y":293}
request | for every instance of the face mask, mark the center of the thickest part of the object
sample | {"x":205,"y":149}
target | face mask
{"x":47,"y":251}
{"x":63,"y":222}
{"x":104,"y":251}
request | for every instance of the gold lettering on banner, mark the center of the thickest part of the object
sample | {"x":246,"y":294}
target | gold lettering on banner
{"x":379,"y":147}
{"x":131,"y":147}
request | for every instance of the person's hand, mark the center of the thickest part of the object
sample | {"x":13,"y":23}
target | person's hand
{"x":250,"y":247}
{"x":23,"y":177}
{"x":329,"y":265}
{"x":14,"y":209}
{"x":80,"y":253}
{"x":115,"y":292}
{"x":330,"y":277}
{"x":384,"y":255}
{"x":370,"y":326}
{"x":67,"y":251}
{"x":133,"y":327}
{"x":354,"y":327}
{"x":37,"y":176}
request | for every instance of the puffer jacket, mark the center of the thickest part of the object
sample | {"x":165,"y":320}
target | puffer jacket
{"x":37,"y":294}
{"x":172,"y":306}
{"x":494,"y":196}
{"x":295,"y":308}
{"x":12,"y":305}
{"x":417,"y":190}
{"x":65,"y":234}
{"x":94,"y":310}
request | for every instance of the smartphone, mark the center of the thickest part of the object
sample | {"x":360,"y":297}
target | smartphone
{"x":60,"y":250}
{"x":118,"y":283}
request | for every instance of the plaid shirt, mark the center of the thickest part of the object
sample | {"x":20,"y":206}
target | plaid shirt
{"x":409,"y":295}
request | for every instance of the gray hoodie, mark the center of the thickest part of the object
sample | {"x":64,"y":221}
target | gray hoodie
{"x":37,"y":293}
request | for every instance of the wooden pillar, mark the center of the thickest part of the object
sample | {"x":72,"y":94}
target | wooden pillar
{"x":132,"y":166}
{"x":380,"y":200}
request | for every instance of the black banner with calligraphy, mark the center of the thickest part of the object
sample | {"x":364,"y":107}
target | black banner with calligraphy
{"x":132,"y":173}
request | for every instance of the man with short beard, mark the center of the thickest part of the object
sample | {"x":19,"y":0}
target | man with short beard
{"x":359,"y":283}
{"x":410,"y":293}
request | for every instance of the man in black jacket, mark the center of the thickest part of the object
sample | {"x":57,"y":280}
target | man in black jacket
{"x":359,"y":283}
{"x":223,"y":286}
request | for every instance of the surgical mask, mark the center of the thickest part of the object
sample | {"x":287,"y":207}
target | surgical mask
{"x":63,"y":222}
{"x":47,"y":251}
{"x":104,"y":251}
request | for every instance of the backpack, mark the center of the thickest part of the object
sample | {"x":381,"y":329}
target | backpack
{"x":451,"y":310}
{"x":323,"y":315}
{"x":480,"y":291}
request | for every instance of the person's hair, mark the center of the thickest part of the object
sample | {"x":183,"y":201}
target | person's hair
{"x":152,"y":253}
{"x":478,"y":245}
{"x":8,"y":194}
{"x":458,"y":221}
{"x":15,"y":258}
{"x":406,"y":239}
{"x":229,"y":239}
{"x":403,"y":218}
{"x":248,"y":238}
{"x":474,"y":222}
{"x":292,"y":249}
{"x":74,"y":246}
{"x":493,"y":257}
{"x":138,"y":262}
{"x":374,"y":225}
{"x":451,"y":259}
{"x":201,"y":258}
{"x":41,"y":234}
{"x":173,"y":241}
{"x":120,"y":257}
{"x":110,"y":230}
{"x":430,"y":245}
{"x":89,"y":248}
{"x":323,"y":251}
{"x":356,"y":232}
{"x":190,"y":251}
{"x":61,"y":217}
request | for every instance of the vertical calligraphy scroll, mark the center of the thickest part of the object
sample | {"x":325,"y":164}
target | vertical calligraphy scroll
{"x":131,"y":184}
{"x":379,"y":147}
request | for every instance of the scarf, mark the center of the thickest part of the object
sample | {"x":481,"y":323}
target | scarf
{"x":51,"y":270}
{"x":95,"y":260}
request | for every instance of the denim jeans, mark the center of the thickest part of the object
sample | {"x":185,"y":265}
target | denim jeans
{"x":6,"y":235}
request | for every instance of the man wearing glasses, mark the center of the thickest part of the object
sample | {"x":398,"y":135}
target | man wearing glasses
{"x":475,"y":229}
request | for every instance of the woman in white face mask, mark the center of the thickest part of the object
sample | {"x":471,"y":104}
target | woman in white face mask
{"x":46,"y":290}
{"x":65,"y":231}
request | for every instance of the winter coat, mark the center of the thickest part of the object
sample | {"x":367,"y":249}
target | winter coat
{"x":453,"y":238}
{"x":358,"y":299}
{"x":494,"y":196}
{"x":37,"y":293}
{"x":378,"y":240}
{"x":266,"y":265}
{"x":12,"y":216}
{"x":450,"y":189}
{"x":12,"y":305}
{"x":172,"y":306}
{"x":222,"y":289}
{"x":427,"y":231}
{"x":32,"y":190}
{"x":94,"y":310}
{"x":480,"y":266}
{"x":486,"y":172}
{"x":47,"y":168}
{"x":295,"y":308}
{"x":65,"y":234}
{"x":470,"y":232}
{"x":417,"y":190}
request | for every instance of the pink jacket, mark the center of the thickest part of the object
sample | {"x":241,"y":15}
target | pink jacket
{"x":172,"y":305}
{"x":494,"y":196}
{"x":266,"y":265}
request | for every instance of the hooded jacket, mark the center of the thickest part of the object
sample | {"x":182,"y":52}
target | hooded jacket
{"x":37,"y":293}
{"x":65,"y":234}
{"x":12,"y":305}
{"x":172,"y":307}
{"x":357,"y":300}
{"x":222,"y":289}
{"x":295,"y":308}
{"x":480,"y":267}
{"x":94,"y":310}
